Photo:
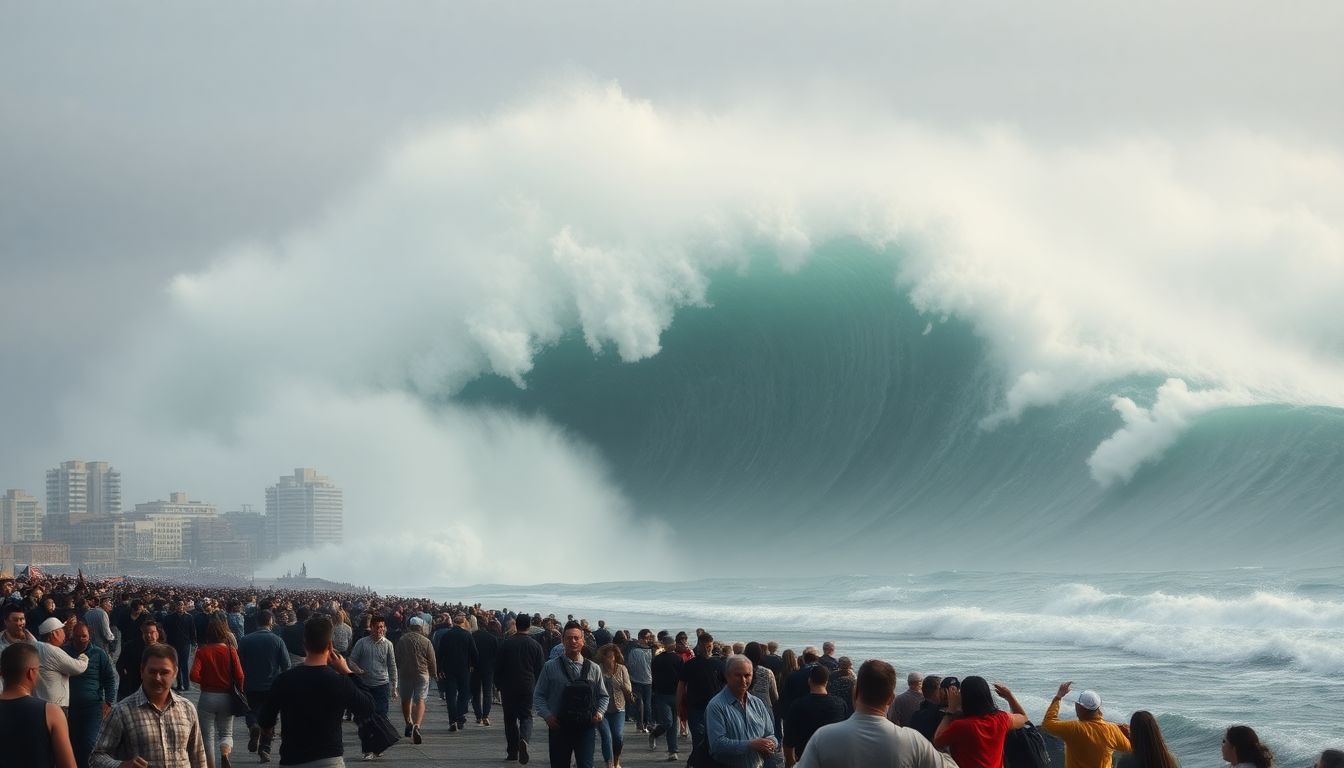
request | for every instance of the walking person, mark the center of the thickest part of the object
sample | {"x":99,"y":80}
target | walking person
{"x":455,"y":656}
{"x":483,"y":674}
{"x":179,"y":631}
{"x":616,"y":679}
{"x":666,"y":671}
{"x":264,"y":657}
{"x":639,"y":663}
{"x":217,"y":669}
{"x":739,"y":728}
{"x":416,"y":666}
{"x":374,"y":659}
{"x":517,"y":667}
{"x":132,"y":650}
{"x":153,"y":726}
{"x":312,"y":699}
{"x":571,"y":698}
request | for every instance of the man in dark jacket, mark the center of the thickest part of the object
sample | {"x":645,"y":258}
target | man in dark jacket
{"x":483,"y":675}
{"x":179,"y":629}
{"x":519,"y":662}
{"x":264,"y":656}
{"x":92,"y":693}
{"x":456,"y":654}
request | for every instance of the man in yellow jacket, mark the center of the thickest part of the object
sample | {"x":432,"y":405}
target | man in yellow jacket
{"x":1090,"y":740}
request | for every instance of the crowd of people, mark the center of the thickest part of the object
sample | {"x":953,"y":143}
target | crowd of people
{"x":94,"y":672}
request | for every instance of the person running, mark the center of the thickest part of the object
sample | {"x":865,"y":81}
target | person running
{"x":264,"y":657}
{"x":517,"y":666}
{"x":973,"y":729}
{"x":571,"y":698}
{"x":216,"y":668}
{"x":153,"y":726}
{"x":1148,"y":749}
{"x":312,"y":699}
{"x":1090,"y":741}
{"x":33,"y":732}
{"x":868,"y":739}
{"x":1242,"y":748}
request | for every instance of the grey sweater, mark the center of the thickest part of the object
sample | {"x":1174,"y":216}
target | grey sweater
{"x":551,"y":685}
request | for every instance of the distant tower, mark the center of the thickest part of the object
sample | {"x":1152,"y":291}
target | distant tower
{"x":304,"y":510}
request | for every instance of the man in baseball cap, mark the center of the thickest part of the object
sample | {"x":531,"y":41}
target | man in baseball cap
{"x":57,"y":666}
{"x":1089,"y":741}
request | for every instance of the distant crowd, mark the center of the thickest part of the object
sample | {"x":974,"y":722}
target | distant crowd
{"x":94,"y":672}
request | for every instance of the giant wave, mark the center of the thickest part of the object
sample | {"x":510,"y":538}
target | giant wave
{"x":825,"y":403}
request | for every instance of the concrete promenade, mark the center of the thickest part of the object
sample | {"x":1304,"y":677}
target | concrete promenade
{"x":476,"y":746}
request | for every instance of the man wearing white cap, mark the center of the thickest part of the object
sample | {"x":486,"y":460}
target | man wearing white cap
{"x":1089,"y":741}
{"x":53,"y":679}
{"x":415,"y":668}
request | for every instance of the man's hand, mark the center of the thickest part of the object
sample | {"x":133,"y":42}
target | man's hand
{"x":337,"y":662}
{"x":596,"y":718}
{"x":135,"y":762}
{"x":954,"y":699}
{"x":766,"y":745}
{"x":552,"y":723}
{"x":1064,"y":689}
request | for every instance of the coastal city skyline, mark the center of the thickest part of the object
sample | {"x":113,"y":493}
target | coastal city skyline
{"x":83,"y":526}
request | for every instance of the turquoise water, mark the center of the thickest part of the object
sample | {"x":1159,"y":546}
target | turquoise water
{"x":1201,"y":650}
{"x":824,"y":401}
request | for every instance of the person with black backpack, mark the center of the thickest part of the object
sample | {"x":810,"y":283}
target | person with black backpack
{"x":571,"y":698}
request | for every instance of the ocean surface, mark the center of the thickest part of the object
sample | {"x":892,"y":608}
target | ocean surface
{"x":1202,"y":650}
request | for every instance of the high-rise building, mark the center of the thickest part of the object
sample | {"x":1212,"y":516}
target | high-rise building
{"x":20,"y":517}
{"x":83,"y":487}
{"x":305,"y":510}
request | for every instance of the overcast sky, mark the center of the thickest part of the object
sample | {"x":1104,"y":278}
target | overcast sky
{"x":139,"y":140}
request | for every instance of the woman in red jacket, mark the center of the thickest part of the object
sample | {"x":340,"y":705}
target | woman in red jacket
{"x":217,"y":669}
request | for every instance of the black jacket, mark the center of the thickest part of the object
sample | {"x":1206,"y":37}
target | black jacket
{"x":518,"y":664}
{"x":455,"y":653}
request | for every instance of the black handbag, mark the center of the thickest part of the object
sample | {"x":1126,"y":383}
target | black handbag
{"x":238,"y":703}
{"x":377,"y":734}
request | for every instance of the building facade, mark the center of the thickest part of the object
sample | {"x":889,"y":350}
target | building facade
{"x":83,"y":487}
{"x":305,"y":510}
{"x":20,"y":517}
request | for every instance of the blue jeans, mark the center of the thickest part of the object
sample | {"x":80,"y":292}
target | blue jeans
{"x":665,"y":707}
{"x":613,"y":739}
{"x":577,"y":742}
{"x":183,"y":666}
{"x":644,"y":695}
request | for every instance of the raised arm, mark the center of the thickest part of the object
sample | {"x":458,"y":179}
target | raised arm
{"x":1019,"y":716}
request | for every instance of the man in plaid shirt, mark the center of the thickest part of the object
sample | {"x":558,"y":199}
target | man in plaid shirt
{"x":153,"y":726}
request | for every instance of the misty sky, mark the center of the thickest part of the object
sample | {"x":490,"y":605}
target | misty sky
{"x":139,"y":141}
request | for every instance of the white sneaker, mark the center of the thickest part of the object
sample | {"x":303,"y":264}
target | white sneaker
{"x":673,"y":757}
{"x":368,"y":756}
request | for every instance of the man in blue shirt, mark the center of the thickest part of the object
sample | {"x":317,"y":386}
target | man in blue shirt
{"x":739,"y":726}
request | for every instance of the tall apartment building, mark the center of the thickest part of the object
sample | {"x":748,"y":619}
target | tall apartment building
{"x":305,"y":510}
{"x":20,"y":517}
{"x":83,"y":487}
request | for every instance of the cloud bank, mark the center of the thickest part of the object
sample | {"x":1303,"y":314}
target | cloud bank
{"x":1219,"y":261}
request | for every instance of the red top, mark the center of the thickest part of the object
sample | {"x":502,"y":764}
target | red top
{"x":976,"y":741}
{"x":217,"y":668}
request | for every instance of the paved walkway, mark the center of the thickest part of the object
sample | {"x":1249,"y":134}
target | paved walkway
{"x":476,"y":746}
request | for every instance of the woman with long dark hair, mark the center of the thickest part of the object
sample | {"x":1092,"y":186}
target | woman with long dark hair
{"x":974,"y":729}
{"x":1149,"y":749}
{"x":1242,"y":748}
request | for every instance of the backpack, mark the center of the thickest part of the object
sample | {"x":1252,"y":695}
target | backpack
{"x":578,"y":703}
{"x":1025,"y":748}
